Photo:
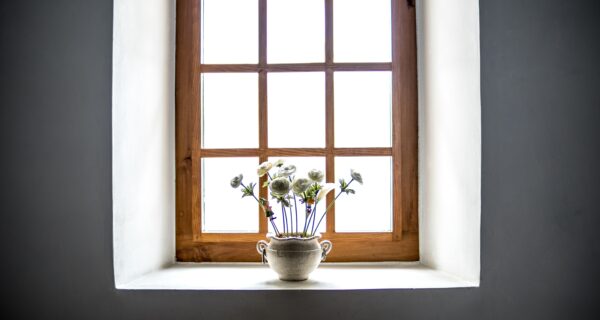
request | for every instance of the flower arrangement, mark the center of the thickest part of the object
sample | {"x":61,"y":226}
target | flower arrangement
{"x":289,"y":191}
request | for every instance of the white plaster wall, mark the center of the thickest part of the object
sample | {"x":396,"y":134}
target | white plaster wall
{"x":143,"y":137}
{"x":143,"y":143}
{"x":450,"y":136}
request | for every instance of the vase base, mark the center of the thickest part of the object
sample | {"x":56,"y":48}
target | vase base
{"x":294,"y":279}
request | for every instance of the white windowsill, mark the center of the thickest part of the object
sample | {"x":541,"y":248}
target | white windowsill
{"x":144,"y":165}
{"x":329,"y":276}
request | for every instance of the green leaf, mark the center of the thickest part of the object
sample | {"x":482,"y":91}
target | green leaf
{"x":343,"y":184}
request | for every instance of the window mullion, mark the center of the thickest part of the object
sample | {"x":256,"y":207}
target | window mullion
{"x":329,"y":120}
{"x":262,"y":106}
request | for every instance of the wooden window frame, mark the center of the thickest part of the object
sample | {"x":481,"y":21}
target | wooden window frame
{"x":192,"y":245}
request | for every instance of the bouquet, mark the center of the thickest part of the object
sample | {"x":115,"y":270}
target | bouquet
{"x":290,"y":192}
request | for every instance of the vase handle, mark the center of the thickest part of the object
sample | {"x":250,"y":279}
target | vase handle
{"x":326,"y":246}
{"x":261,"y":247}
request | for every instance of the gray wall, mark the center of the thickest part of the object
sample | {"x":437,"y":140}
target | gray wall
{"x":541,"y":109}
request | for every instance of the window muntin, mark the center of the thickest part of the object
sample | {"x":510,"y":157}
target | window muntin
{"x":389,"y":238}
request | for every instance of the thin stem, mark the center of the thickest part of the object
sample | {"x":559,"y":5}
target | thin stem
{"x":330,"y":205}
{"x":264,"y":210}
{"x":284,"y":220}
{"x":314,"y":214}
{"x":295,"y":207}
{"x":274,"y":227}
{"x":325,"y":213}
{"x":306,"y":212}
{"x":291,"y":221}
{"x":296,"y":210}
{"x":307,"y":218}
{"x":314,"y":217}
{"x":255,"y":198}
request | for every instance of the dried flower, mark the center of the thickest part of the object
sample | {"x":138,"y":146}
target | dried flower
{"x":299,"y":185}
{"x":279,"y":186}
{"x":356,"y":176}
{"x":236,"y":181}
{"x":287,"y":171}
{"x":325,"y":190}
{"x":315,"y":175}
{"x":263,"y":168}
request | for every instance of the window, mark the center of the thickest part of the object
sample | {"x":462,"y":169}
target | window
{"x":250,"y":57}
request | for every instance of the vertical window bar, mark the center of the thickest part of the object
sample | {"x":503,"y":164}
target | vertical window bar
{"x":329,"y":120}
{"x":396,"y":119}
{"x":262,"y":106}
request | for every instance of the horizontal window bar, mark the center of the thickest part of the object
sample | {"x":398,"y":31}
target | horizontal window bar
{"x":253,"y":237}
{"x":293,"y":152}
{"x":296,"y":67}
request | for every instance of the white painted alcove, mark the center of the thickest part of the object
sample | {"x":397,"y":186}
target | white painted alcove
{"x":144,"y":166}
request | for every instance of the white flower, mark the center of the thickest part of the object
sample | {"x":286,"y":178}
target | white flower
{"x":356,"y":176}
{"x":287,"y":171}
{"x":279,"y":186}
{"x":315,"y":175}
{"x":299,"y":185}
{"x":236,"y":181}
{"x":263,"y":168}
{"x":278,"y":163}
{"x":325,"y":190}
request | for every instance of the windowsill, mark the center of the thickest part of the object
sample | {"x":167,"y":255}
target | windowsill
{"x":329,"y":276}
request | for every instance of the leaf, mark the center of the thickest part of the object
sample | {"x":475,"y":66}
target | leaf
{"x":266,"y":184}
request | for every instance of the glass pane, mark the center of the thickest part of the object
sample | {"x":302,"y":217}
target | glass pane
{"x":303,"y":166}
{"x":229,"y":110}
{"x":229,"y":31}
{"x":295,"y":31}
{"x":296,"y":103}
{"x":370,"y":209}
{"x":363,"y":109}
{"x":223,"y":209}
{"x":362,"y":31}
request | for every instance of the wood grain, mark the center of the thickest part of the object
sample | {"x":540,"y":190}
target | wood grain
{"x":187,"y":122}
{"x":295,"y":152}
{"x":295,"y":67}
{"x":405,"y":132}
{"x":263,"y":110}
{"x":329,"y":114}
{"x":400,"y":244}
{"x":365,"y":248}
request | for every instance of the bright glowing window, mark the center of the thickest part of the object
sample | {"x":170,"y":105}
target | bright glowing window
{"x":320,"y":82}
